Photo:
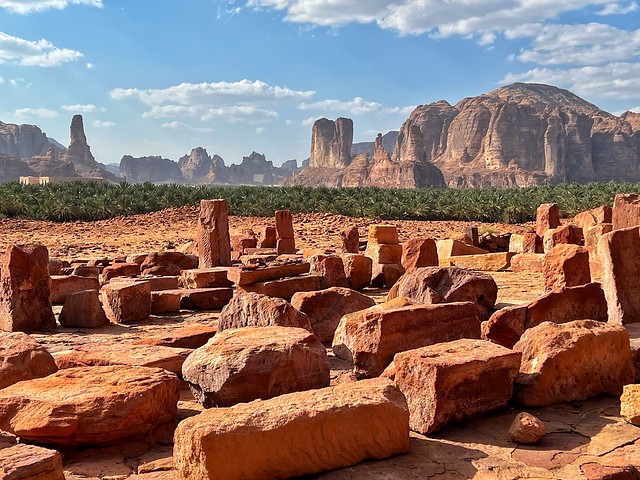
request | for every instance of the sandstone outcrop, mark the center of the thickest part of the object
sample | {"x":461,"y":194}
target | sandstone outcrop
{"x":256,"y":310}
{"x":150,"y":169}
{"x":24,"y":141}
{"x":22,"y":358}
{"x":79,"y":153}
{"x":29,"y":462}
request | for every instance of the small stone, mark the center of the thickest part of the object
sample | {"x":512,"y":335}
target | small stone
{"x":630,"y":404}
{"x":527,"y":429}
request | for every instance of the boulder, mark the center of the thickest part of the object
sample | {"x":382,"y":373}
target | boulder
{"x":29,"y":462}
{"x":370,"y":338}
{"x":626,"y":211}
{"x":486,"y":262}
{"x":384,"y":253}
{"x":385,"y":275}
{"x":63,"y":285}
{"x":454,"y":248}
{"x":55,"y":265}
{"x":330,"y":269}
{"x":527,"y":429}
{"x":506,"y":326}
{"x":419,"y":252}
{"x":572,"y":361}
{"x":204,"y":298}
{"x":125,"y":302}
{"x":358,"y":269}
{"x":165,"y":301}
{"x":566,"y":234}
{"x":565,"y":266}
{"x":326,"y":307}
{"x":453,"y":381}
{"x":630,"y":404}
{"x":620,"y":280}
{"x":256,"y":310}
{"x":350,"y":239}
{"x":167,"y":263}
{"x":283,"y":288}
{"x":382,"y":234}
{"x":295,"y":434}
{"x":119,"y":270}
{"x":527,"y":262}
{"x":268,"y":238}
{"x":191,"y":336}
{"x":286,"y":246}
{"x":547,"y":217}
{"x":432,"y":285}
{"x":240,"y":365}
{"x":525,"y":243}
{"x":214,"y":244}
{"x":593,"y":217}
{"x":205,"y":278}
{"x":90,"y":405}
{"x":22,"y":358}
{"x":25,"y":303}
{"x":83,"y":310}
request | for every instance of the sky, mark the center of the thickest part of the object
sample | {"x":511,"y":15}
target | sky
{"x":160,"y":77}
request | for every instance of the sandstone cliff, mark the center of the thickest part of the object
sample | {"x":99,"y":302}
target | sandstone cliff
{"x":388,"y":142}
{"x":331,"y":142}
{"x":24,"y":141}
{"x":150,"y":169}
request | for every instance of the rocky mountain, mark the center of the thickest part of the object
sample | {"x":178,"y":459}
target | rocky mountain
{"x":150,"y":169}
{"x":518,"y":135}
{"x":388,"y":142}
{"x":25,"y":141}
{"x":79,"y":153}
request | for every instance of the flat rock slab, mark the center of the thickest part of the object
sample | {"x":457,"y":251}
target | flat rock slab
{"x":121,"y":353}
{"x":191,"y":336}
{"x":240,"y":365}
{"x":90,"y":405}
{"x":454,"y":380}
{"x":295,"y":434}
{"x":23,"y":358}
{"x":486,"y":262}
{"x":63,"y":285}
{"x":527,"y":263}
{"x":634,"y":339}
{"x":284,"y":288}
{"x":572,"y":361}
{"x":370,"y":338}
{"x":243,"y":276}
{"x":257,"y":310}
{"x":202,"y":298}
{"x":126,"y":302}
{"x":216,"y":277}
{"x":28,"y":462}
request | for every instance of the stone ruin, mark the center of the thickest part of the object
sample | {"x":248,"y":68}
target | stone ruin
{"x":434,"y":351}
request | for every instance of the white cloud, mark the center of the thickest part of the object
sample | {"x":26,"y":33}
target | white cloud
{"x":616,"y":8}
{"x":90,"y":108}
{"x":29,"y":6}
{"x":90,"y":66}
{"x":1,"y":80}
{"x":582,"y":44}
{"x":39,"y":53}
{"x":632,"y":109}
{"x":357,"y":106}
{"x":620,"y":80}
{"x":45,"y":113}
{"x":175,"y":125}
{"x":260,"y":130}
{"x":309,"y":121}
{"x":233,"y":113}
{"x":105,"y":124}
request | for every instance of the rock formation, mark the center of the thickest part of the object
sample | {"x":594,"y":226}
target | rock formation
{"x":331,"y":143}
{"x":388,"y":142}
{"x":79,"y":153}
{"x":24,"y":141}
{"x":150,"y":169}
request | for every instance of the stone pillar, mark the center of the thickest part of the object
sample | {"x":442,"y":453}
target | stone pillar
{"x":214,"y":243}
{"x":547,"y":217}
{"x":284,"y":229}
{"x":25,"y":304}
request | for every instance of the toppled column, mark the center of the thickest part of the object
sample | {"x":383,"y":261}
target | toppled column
{"x":284,"y":229}
{"x":214,"y":243}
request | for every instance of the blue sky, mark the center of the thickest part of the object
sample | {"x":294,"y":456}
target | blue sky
{"x":158,"y":77}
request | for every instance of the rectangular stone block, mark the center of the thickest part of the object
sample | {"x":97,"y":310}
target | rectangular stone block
{"x":357,"y":269}
{"x":165,"y":301}
{"x":383,"y":234}
{"x":525,"y":243}
{"x":284,"y":287}
{"x":284,"y":224}
{"x":294,"y":434}
{"x":214,"y":243}
{"x":453,"y":248}
{"x":370,"y":338}
{"x":453,"y":381}
{"x":626,"y":211}
{"x":527,"y":262}
{"x":205,"y":278}
{"x":384,"y":253}
{"x":286,"y":246}
{"x":63,"y":285}
{"x":29,"y":462}
{"x":126,"y":302}
{"x":202,"y":298}
{"x":243,"y":276}
{"x":486,"y":262}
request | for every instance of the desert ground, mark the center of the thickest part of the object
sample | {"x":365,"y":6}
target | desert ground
{"x":586,"y":440}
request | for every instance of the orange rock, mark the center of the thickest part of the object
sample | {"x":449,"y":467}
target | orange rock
{"x":565,"y":266}
{"x":486,"y":262}
{"x":243,"y":276}
{"x":382,"y":234}
{"x":191,"y":336}
{"x":165,"y":301}
{"x":284,"y":224}
{"x":29,"y":462}
{"x":286,"y":246}
{"x":156,"y":284}
{"x":283,"y":288}
{"x":453,"y":248}
{"x":385,"y":275}
{"x":630,"y":404}
{"x":571,"y":362}
{"x":547,"y":217}
{"x":527,"y":429}
{"x":63,"y":285}
{"x":419,"y":252}
{"x":90,"y":405}
{"x":22,"y":358}
{"x":268,"y":238}
{"x":453,"y":381}
{"x":595,"y":216}
{"x":126,"y":302}
{"x":506,"y":326}
{"x":527,"y":262}
{"x":330,"y":269}
{"x":626,"y":211}
{"x":84,"y":310}
{"x":634,"y":338}
{"x":240,"y":365}
{"x":214,"y":244}
{"x":326,"y":307}
{"x":350,"y":239}
{"x":25,"y":303}
{"x":357,"y":269}
{"x":256,"y":310}
{"x":204,"y":298}
{"x":562,"y":235}
{"x":167,"y":263}
{"x":592,"y":235}
{"x":525,"y":243}
{"x":295,"y":434}
{"x":119,"y":270}
{"x":370,"y":338}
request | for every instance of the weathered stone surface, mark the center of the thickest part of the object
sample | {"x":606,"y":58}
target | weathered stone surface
{"x":385,"y":275}
{"x":419,"y":252}
{"x":240,"y":365}
{"x":90,"y":405}
{"x":454,"y":248}
{"x":55,"y":265}
{"x":126,"y":302}
{"x":506,"y":326}
{"x":166,"y":301}
{"x":191,"y":336}
{"x":83,"y":309}
{"x":156,"y":284}
{"x":350,"y":239}
{"x":382,"y":234}
{"x":256,"y":310}
{"x":29,"y":462}
{"x":205,"y":278}
{"x":268,"y":238}
{"x":592,"y":235}
{"x":370,"y":338}
{"x":23,"y":141}
{"x":626,"y":211}
{"x":331,"y":143}
{"x":384,"y":253}
{"x":294,"y":434}
{"x":325,"y":308}
{"x":284,"y":224}
{"x":547,"y":217}
{"x":358,"y":269}
{"x":433,"y":285}
{"x":330,"y":269}
{"x":634,"y":338}
{"x":167,"y":263}
{"x":25,"y":303}
{"x":243,"y":275}
{"x":86,"y":271}
{"x":454,"y":380}
{"x":63,"y":285}
{"x":565,"y":266}
{"x":214,"y":244}
{"x":486,"y":262}
{"x":527,"y":262}
{"x":527,"y":429}
{"x":620,"y":280}
{"x":120,"y":270}
{"x":630,"y":404}
{"x":593,"y":217}
{"x":572,"y":361}
{"x":124,"y":353}
{"x":525,"y":243}
{"x":286,"y":246}
{"x":204,"y":298}
{"x":565,"y":234}
{"x":283,"y":288}
{"x":154,"y":169}
{"x":22,"y":358}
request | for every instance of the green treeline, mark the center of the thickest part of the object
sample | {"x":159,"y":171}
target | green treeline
{"x":92,"y":201}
